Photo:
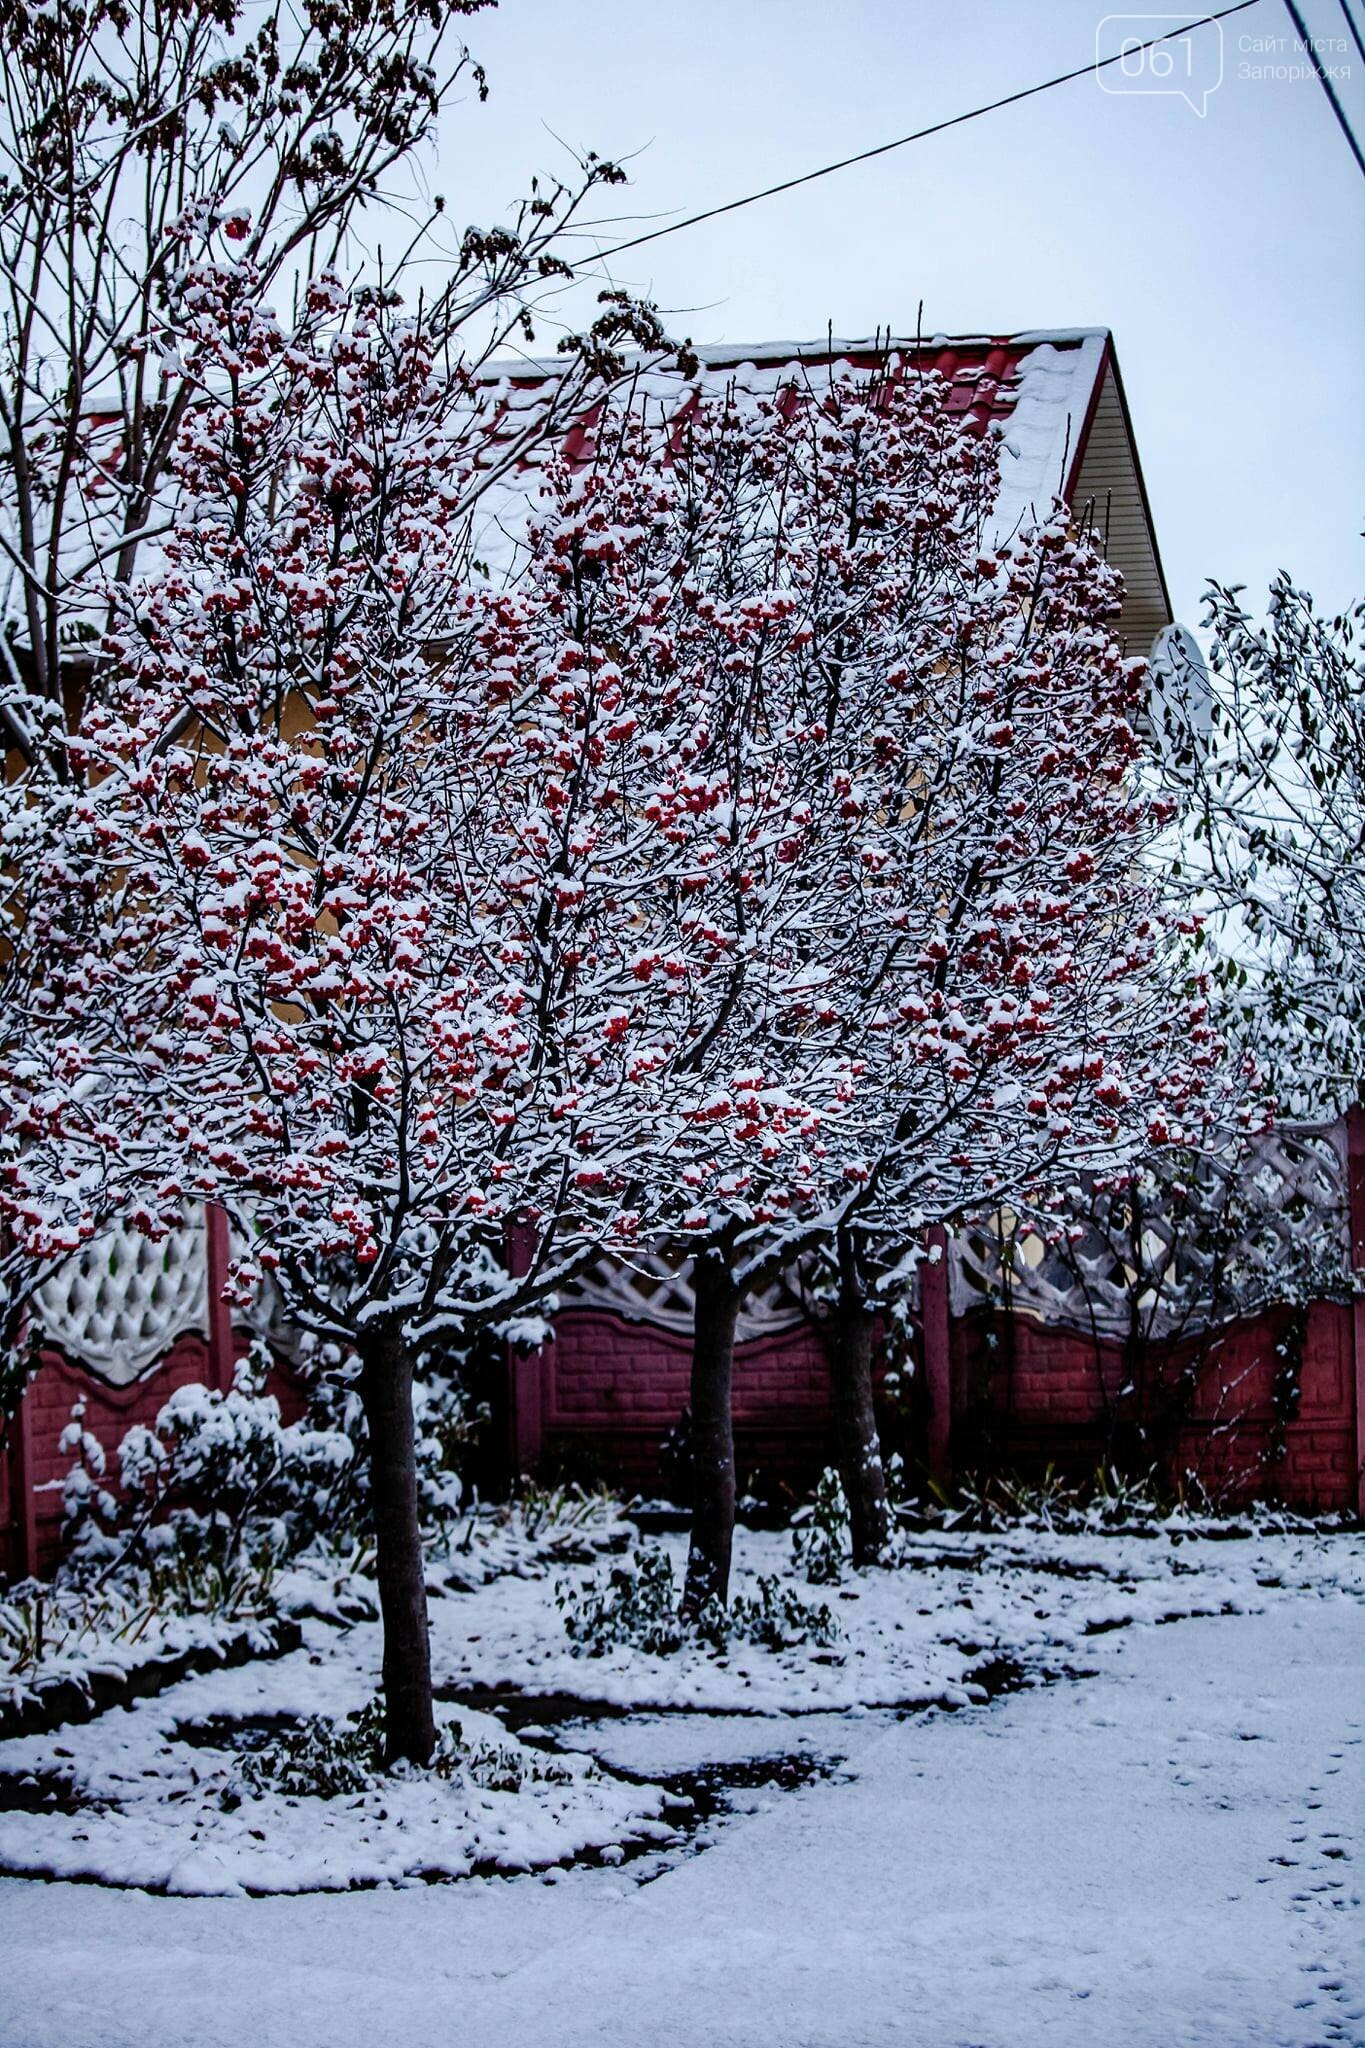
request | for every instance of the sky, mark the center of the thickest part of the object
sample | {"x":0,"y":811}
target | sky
{"x":1224,"y":250}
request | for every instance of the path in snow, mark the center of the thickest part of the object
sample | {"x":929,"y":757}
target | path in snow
{"x":1157,"y":1856}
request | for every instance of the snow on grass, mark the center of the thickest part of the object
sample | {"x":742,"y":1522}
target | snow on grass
{"x":163,"y":1796}
{"x":168,"y":1795}
{"x":930,"y":1631}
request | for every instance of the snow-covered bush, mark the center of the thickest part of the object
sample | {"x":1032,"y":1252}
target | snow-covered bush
{"x":637,"y":1605}
{"x":219,"y":1492}
{"x":321,"y":1758}
{"x":214,"y":1496}
{"x":318,"y":1758}
{"x":777,"y":1618}
{"x":820,"y":1532}
{"x":491,"y":1764}
{"x":87,"y":1503}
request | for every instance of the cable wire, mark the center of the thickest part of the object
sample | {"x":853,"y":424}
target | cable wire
{"x":1325,"y":82}
{"x":1351,"y":25}
{"x":1011,"y":99}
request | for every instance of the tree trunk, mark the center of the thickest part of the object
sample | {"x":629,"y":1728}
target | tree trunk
{"x":857,"y":1447}
{"x":713,"y":1437}
{"x":386,"y":1392}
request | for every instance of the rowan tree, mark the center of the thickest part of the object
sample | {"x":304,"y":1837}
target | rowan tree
{"x":168,"y":174}
{"x":330,"y":926}
{"x":910,"y":836}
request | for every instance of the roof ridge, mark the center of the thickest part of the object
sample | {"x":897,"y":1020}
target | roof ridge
{"x":720,"y":355}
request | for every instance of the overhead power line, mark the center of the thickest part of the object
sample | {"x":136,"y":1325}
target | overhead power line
{"x":1351,"y":25}
{"x":1325,"y":79}
{"x":1011,"y":99}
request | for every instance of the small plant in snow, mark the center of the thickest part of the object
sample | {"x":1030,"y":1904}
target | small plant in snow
{"x":636,"y":1603}
{"x":777,"y":1618}
{"x":493,"y":1765}
{"x":899,"y":1489}
{"x":42,"y":1624}
{"x":319,"y":1758}
{"x":546,"y":1508}
{"x":820,"y":1532}
{"x":86,"y":1502}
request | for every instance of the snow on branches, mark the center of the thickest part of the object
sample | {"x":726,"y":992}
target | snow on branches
{"x":766,"y":849}
{"x":329,"y":930}
{"x":1275,"y":851}
{"x":901,"y":786}
{"x":762,"y":855}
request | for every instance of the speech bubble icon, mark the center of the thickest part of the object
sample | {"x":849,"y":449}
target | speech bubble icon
{"x":1160,"y":53}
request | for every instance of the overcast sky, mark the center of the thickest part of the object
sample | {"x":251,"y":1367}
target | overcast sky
{"x":1224,"y":252}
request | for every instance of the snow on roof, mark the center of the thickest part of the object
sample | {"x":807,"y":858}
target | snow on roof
{"x":1041,"y":389}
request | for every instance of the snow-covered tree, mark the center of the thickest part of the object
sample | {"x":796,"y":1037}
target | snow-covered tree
{"x":136,"y":141}
{"x":1275,"y":852}
{"x":909,"y":842}
{"x":329,"y":925}
{"x":165,"y":173}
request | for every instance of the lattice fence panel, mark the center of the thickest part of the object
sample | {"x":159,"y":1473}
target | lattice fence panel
{"x":122,"y":1301}
{"x":1297,"y":1225}
{"x":656,"y":1288}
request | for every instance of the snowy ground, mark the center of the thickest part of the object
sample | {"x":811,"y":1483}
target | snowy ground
{"x":1160,"y":1852}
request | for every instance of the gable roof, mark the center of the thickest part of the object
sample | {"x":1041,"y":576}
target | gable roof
{"x":1055,"y":396}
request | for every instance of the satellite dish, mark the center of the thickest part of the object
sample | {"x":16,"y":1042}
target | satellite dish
{"x":1179,"y":694}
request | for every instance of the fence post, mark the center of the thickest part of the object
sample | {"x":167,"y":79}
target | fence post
{"x":938,"y":1362}
{"x":526,"y":1419}
{"x":23,"y":1497}
{"x":217,"y":1259}
{"x":1355,"y":1182}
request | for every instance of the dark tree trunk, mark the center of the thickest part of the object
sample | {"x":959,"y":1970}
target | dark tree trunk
{"x":857,"y":1446}
{"x":386,"y":1392}
{"x":713,"y":1437}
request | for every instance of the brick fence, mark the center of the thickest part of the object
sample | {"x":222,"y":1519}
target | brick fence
{"x":599,"y":1400}
{"x":1273,"y":1405}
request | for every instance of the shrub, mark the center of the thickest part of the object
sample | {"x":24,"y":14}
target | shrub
{"x":320,"y":1758}
{"x":778,"y":1618}
{"x":215,"y":1495}
{"x":820,"y":1539}
{"x":636,"y":1604}
{"x":220,"y":1492}
{"x":494,"y":1765}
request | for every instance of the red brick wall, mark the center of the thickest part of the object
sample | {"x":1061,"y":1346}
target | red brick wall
{"x":611,"y":1390}
{"x":1026,"y":1395}
{"x":604,"y":1394}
